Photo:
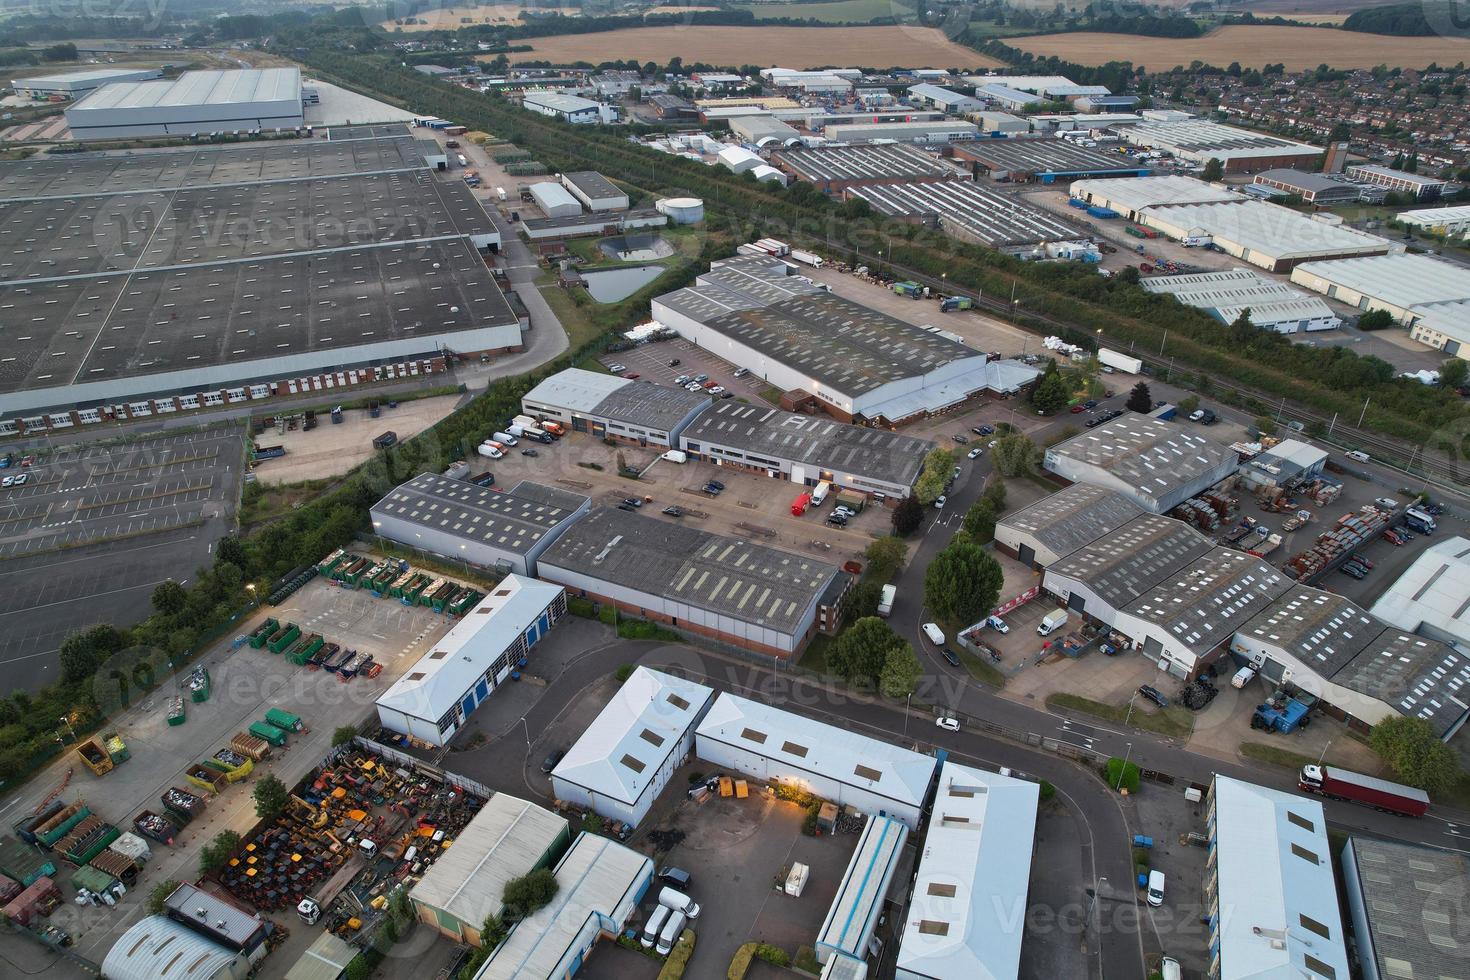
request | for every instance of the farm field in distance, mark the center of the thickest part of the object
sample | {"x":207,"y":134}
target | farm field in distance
{"x":1295,"y":47}
{"x":449,"y":19}
{"x":793,"y":47}
{"x":837,"y":12}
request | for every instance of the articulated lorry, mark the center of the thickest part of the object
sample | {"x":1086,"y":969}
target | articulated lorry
{"x":1340,"y":784}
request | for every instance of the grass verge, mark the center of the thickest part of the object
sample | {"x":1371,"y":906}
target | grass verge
{"x":815,"y":658}
{"x":1174,"y":722}
{"x":978,"y":668}
{"x":1275,"y":756}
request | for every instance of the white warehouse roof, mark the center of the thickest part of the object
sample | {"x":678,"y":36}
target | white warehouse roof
{"x":436,"y":683}
{"x":200,"y":88}
{"x":1401,"y":280}
{"x":551,"y":197}
{"x":1266,"y":229}
{"x":974,"y":874}
{"x":1434,"y":591}
{"x":836,"y":753}
{"x":1137,"y":193}
{"x":625,"y":746}
{"x":158,"y":948}
{"x":1275,"y":875}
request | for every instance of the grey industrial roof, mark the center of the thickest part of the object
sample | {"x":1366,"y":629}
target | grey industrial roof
{"x":640,"y":403}
{"x":1231,"y":290}
{"x":841,"y":344}
{"x":1305,"y":181}
{"x":221,"y":917}
{"x":1321,"y":629}
{"x":1073,"y":517}
{"x":559,"y":101}
{"x":325,"y":959}
{"x":1045,"y":155}
{"x":514,"y":520}
{"x":761,"y":126}
{"x":1125,"y":564}
{"x":745,"y":581}
{"x":1204,"y":604}
{"x":1411,"y":895}
{"x":596,"y":219}
{"x":191,"y":88}
{"x":875,"y":161}
{"x":157,"y":948}
{"x":1226,"y":142}
{"x":1137,"y":193}
{"x":593,"y":184}
{"x":1404,"y":175}
{"x":1402,"y":280}
{"x":71,"y":77}
{"x":812,"y":440}
{"x":965,"y":208}
{"x":1421,"y":677}
{"x":1151,"y":455}
{"x":1268,"y":229}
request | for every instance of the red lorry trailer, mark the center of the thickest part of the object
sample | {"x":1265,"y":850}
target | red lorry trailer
{"x":1339,"y":784}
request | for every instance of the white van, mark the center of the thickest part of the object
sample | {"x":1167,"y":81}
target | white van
{"x":1243,"y":676}
{"x":886,"y":600}
{"x":676,"y":456}
{"x":679,"y":902}
{"x":819,"y":492}
{"x":506,"y":438}
{"x":934,"y":633}
{"x":1052,"y":622}
{"x":671,"y":931}
{"x":655,"y":926}
{"x":1156,"y":888}
{"x":1357,"y":455}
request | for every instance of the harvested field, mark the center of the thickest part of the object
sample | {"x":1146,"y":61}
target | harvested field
{"x":675,"y":9}
{"x":793,"y":47}
{"x":455,"y":18}
{"x":1253,"y":47}
{"x":836,"y":12}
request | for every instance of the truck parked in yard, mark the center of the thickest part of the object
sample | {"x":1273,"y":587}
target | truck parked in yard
{"x":1340,"y":784}
{"x":1122,"y":362}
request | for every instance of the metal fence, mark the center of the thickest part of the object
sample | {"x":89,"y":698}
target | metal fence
{"x":471,"y":786}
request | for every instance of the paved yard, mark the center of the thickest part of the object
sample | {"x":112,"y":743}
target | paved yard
{"x":331,"y":450}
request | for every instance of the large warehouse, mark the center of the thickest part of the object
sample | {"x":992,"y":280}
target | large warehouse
{"x":1241,"y":151}
{"x":1403,"y":905}
{"x":1115,"y":570}
{"x":75,"y":84}
{"x":1132,"y":197}
{"x":862,"y":892}
{"x":1432,"y":596}
{"x":1397,"y":283}
{"x":836,"y":764}
{"x":505,"y":531}
{"x":342,"y":279}
{"x":195,"y":103}
{"x":970,"y":213}
{"x":734,"y":592}
{"x":806,"y":449}
{"x":1042,"y":534}
{"x":1273,"y":870}
{"x":1158,"y":464}
{"x":626,"y":757}
{"x":1045,"y":159}
{"x":1227,"y":294}
{"x":836,"y":168}
{"x":937,"y":131}
{"x":1264,"y":234}
{"x":974,"y":874}
{"x":610,"y":407}
{"x":508,"y":838}
{"x":856,"y":362}
{"x":437,"y":695}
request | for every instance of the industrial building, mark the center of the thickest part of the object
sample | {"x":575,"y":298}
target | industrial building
{"x":1402,"y":901}
{"x":1443,"y":326}
{"x":923,"y":131}
{"x":596,"y":223}
{"x":75,"y":84}
{"x":1156,"y":463}
{"x":737,"y":159}
{"x":1110,"y":573}
{"x":1288,"y":464}
{"x":853,"y":917}
{"x":569,"y":108}
{"x":835,"y":764}
{"x":1266,"y":235}
{"x":836,"y":168}
{"x":342,"y":279}
{"x":219,"y":920}
{"x":554,"y":200}
{"x":504,"y":531}
{"x":763,"y":130}
{"x":1009,"y":98}
{"x":1362,"y":670}
{"x":508,"y":838}
{"x":730,"y":591}
{"x":157,"y":948}
{"x":1043,"y":533}
{"x":857,"y":363}
{"x":1452,"y":222}
{"x":1034,"y":84}
{"x":806,"y":449}
{"x":437,"y":695}
{"x":1225,"y":295}
{"x":939,"y":97}
{"x":1271,"y":897}
{"x":595,"y":191}
{"x":973,"y":877}
{"x":1400,"y":284}
{"x":971,"y":213}
{"x":626,"y":757}
{"x":1401,"y":181}
{"x":609,"y":407}
{"x":1432,"y":596}
{"x":1240,"y":151}
{"x":1312,"y":188}
{"x":1046,"y":159}
{"x":1088,"y":122}
{"x":327,"y":958}
{"x":195,"y":103}
{"x":600,"y":883}
{"x":1131,"y":198}
{"x":1105,"y":103}
{"x":995,"y":123}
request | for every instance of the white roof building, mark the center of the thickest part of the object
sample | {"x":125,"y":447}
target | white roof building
{"x":836,"y":764}
{"x":195,"y":102}
{"x":572,"y":108}
{"x":738,"y":159}
{"x":1226,"y":294}
{"x":1239,"y":150}
{"x":1025,"y":83}
{"x":1450,"y":221}
{"x":1433,"y":595}
{"x":625,"y":757}
{"x":75,"y":83}
{"x":1155,"y":463}
{"x":1272,"y":899}
{"x":158,"y":948}
{"x":1399,"y":283}
{"x":554,"y":200}
{"x":1129,"y":196}
{"x":972,"y":880}
{"x":1445,"y":326}
{"x":1266,"y":235}
{"x":508,"y":838}
{"x":853,"y":917}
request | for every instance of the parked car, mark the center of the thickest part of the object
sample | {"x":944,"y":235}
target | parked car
{"x":939,"y":502}
{"x":694,"y":386}
{"x":1387,"y":502}
{"x":715,"y":483}
{"x":1366,"y":563}
{"x":948,"y":724}
{"x":727,"y":394}
{"x":617,"y":368}
{"x":997,"y":624}
{"x":976,"y":453}
{"x":675,"y":878}
{"x":1153,"y":694}
{"x":683,"y":379}
{"x":529,"y":452}
{"x":1353,"y":570}
{"x":960,"y":439}
{"x":22,"y":479}
{"x":701,"y":378}
{"x":1090,"y":403}
{"x":837,"y":520}
{"x":956,"y":474}
{"x":717,"y":390}
{"x":949,"y":655}
{"x":741,"y":372}
{"x":712,"y":490}
{"x":674,"y":511}
{"x":631,"y":375}
{"x":633,"y":501}
{"x":984,"y":430}
{"x":8,"y":481}
{"x":549,"y":763}
{"x":674,"y":362}
{"x":1077,"y":410}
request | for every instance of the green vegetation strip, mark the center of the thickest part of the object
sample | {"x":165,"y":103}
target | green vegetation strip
{"x":1174,"y":722}
{"x":1275,"y":755}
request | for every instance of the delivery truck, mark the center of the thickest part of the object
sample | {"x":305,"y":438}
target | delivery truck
{"x":1052,"y":622}
{"x":1340,"y":784}
{"x":885,"y":600}
{"x":1121,"y":362}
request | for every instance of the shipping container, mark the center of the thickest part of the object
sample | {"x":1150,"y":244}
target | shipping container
{"x":155,"y":826}
{"x":23,"y":863}
{"x":268,"y":732}
{"x":284,"y":720}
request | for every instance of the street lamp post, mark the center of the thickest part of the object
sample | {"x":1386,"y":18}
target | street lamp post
{"x":70,"y":731}
{"x":906,"y":702}
{"x":1123,"y":770}
{"x":527,"y":725}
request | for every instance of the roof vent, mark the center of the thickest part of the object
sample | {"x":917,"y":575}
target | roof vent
{"x":202,"y":912}
{"x":607,"y":550}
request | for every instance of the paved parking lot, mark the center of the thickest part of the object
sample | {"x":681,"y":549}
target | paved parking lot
{"x":652,"y":362}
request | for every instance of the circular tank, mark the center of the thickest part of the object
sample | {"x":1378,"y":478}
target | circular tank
{"x":682,"y":210}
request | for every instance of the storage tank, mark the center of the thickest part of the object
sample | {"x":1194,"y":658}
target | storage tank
{"x":682,"y":210}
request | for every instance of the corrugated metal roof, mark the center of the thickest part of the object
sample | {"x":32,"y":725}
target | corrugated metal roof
{"x":1402,"y":280}
{"x":161,"y":949}
{"x":326,"y":959}
{"x":200,"y":88}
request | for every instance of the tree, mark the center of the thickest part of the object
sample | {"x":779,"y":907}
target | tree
{"x":231,"y":550}
{"x":1243,"y":329}
{"x":1375,"y":320}
{"x":860,"y":652}
{"x":343,"y":734}
{"x":492,"y":932}
{"x":907,"y":516}
{"x":861,"y":600}
{"x":160,"y":894}
{"x":1140,"y":399}
{"x":900,"y":674}
{"x":524,"y":895}
{"x":1188,"y":404}
{"x":1051,"y":393}
{"x":1416,"y":754}
{"x":1015,"y":455}
{"x":271,"y":797}
{"x":170,"y":598}
{"x":979,"y":521}
{"x":938,"y":465}
{"x":1214,"y":169}
{"x":212,"y":856}
{"x":81,"y":654}
{"x":962,"y":583}
{"x":1452,"y":373}
{"x":1265,"y":425}
{"x":885,"y":557}
{"x":996,"y":494}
